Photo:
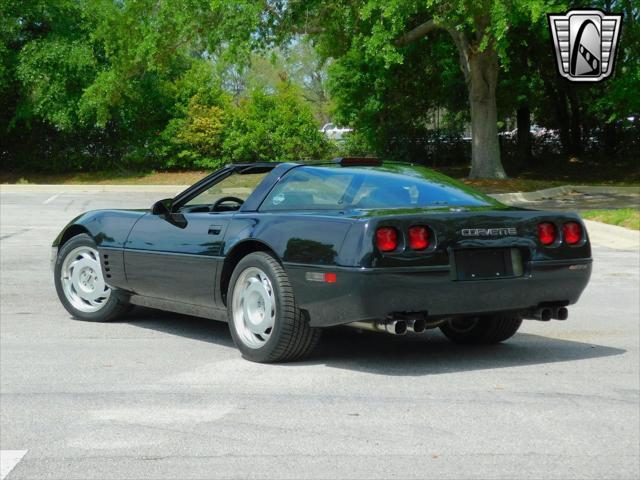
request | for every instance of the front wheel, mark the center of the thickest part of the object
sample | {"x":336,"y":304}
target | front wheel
{"x":81,"y":285}
{"x":265,"y":323}
{"x":485,"y":329}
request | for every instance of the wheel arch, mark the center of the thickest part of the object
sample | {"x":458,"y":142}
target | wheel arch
{"x":70,"y":232}
{"x":237,"y":253}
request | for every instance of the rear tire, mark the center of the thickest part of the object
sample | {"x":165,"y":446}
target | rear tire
{"x":482,"y":330}
{"x":264,"y":320}
{"x":80,"y":283}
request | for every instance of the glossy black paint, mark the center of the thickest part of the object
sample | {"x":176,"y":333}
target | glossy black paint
{"x":185,"y":266}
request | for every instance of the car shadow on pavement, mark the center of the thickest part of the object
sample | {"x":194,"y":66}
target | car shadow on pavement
{"x":186,"y":326}
{"x":429,"y":353}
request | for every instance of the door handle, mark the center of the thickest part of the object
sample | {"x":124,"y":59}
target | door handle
{"x":215,"y":229}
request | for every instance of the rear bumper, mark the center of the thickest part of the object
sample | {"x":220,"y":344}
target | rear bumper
{"x":372,"y":294}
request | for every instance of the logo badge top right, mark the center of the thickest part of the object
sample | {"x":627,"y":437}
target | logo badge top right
{"x":585,"y":43}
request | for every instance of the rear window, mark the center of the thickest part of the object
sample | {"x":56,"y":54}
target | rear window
{"x":328,"y":188}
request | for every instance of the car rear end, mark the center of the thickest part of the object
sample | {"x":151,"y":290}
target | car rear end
{"x":424,"y":246}
{"x":455,"y":262}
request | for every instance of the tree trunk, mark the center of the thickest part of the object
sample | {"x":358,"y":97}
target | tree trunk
{"x":480,"y":69}
{"x":564,"y":122}
{"x":523,"y":123}
{"x":557,"y":92}
{"x":610,"y":139}
{"x":485,"y":149}
{"x":576,"y":123}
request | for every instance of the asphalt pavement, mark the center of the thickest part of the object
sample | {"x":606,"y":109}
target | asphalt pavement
{"x":159,"y":395}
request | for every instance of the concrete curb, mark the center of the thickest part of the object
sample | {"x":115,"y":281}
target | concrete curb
{"x":612,"y":236}
{"x":563,"y":190}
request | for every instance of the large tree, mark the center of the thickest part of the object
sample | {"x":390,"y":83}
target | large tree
{"x":479,"y":29}
{"x":475,"y":35}
{"x":389,"y":117}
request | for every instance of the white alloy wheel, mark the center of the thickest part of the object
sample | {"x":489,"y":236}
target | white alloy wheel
{"x":254,"y":307}
{"x":82,"y":280}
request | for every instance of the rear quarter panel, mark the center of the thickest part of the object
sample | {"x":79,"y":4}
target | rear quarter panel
{"x":295,"y":237}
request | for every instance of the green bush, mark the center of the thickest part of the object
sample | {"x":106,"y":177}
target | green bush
{"x":270,"y":127}
{"x":263,"y":127}
{"x":196,"y":140}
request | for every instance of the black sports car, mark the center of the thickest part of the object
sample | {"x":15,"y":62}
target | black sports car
{"x":281,"y":250}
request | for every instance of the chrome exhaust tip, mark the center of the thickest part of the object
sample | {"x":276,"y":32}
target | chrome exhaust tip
{"x":417,"y":325}
{"x":542,"y":314}
{"x":561,"y":313}
{"x":396,"y":327}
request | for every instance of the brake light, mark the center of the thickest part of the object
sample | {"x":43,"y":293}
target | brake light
{"x":547,"y":233}
{"x":418,"y":238}
{"x":358,"y":161}
{"x":572,"y":232}
{"x":387,"y":239}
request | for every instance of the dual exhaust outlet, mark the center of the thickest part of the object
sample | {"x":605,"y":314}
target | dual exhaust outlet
{"x":547,"y":313}
{"x":396,"y":326}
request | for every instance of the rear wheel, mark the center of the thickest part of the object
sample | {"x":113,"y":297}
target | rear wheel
{"x":485,"y":329}
{"x":81,"y":285}
{"x":265,"y":323}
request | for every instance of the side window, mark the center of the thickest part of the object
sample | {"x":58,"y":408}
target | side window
{"x":236,"y":185}
{"x":308,"y":188}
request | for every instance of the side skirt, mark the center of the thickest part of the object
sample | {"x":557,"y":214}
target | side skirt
{"x":179,"y":307}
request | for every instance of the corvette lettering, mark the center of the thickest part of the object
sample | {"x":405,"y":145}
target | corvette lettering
{"x":489,"y":232}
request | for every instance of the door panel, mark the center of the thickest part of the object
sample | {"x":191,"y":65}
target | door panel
{"x":173,"y":263}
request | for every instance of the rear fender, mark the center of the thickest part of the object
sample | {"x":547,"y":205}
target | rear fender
{"x":294,"y":238}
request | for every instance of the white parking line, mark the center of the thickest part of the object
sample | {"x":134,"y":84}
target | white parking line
{"x":8,"y":460}
{"x":51,"y":198}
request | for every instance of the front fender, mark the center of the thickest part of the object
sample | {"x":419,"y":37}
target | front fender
{"x":108,"y":228}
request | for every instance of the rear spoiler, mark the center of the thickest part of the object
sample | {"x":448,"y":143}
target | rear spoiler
{"x":358,"y":161}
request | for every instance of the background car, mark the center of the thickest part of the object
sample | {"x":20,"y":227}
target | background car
{"x":333,"y":132}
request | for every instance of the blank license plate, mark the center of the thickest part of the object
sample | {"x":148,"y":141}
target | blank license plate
{"x":485,"y":263}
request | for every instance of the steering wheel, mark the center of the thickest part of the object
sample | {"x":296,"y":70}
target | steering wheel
{"x":222,"y":200}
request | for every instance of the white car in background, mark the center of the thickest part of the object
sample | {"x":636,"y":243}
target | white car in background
{"x":334,"y":132}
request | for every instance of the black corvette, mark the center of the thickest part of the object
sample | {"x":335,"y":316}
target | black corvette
{"x":281,"y":250}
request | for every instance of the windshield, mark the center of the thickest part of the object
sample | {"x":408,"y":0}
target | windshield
{"x":390,"y":186}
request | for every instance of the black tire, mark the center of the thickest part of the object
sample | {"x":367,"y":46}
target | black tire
{"x":291,"y":337}
{"x":482,"y":330}
{"x":114,"y":307}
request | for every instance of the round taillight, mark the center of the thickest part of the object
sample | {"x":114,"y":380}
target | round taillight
{"x":572,"y":232}
{"x":387,"y":239}
{"x":418,"y":238}
{"x":547,"y":233}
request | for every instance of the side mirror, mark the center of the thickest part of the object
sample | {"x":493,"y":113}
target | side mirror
{"x":162,"y":208}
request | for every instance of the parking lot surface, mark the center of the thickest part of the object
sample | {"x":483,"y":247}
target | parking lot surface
{"x":159,"y":395}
